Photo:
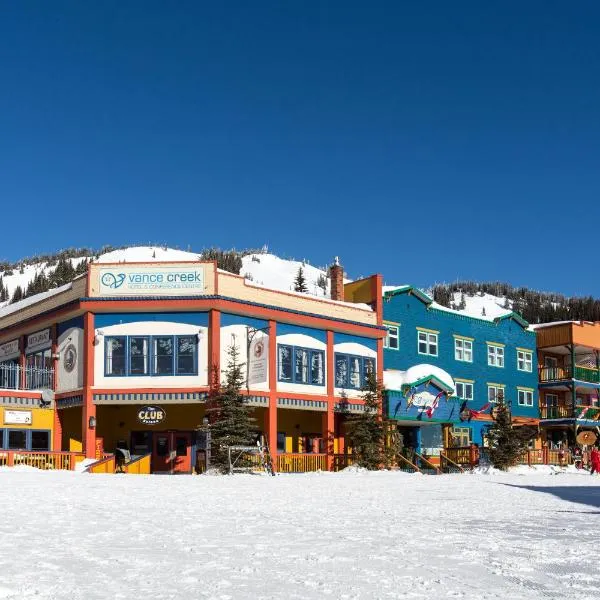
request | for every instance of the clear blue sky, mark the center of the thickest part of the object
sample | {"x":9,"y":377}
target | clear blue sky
{"x":427,"y":141}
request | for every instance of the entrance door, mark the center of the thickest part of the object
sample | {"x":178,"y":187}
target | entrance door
{"x":172,"y":452}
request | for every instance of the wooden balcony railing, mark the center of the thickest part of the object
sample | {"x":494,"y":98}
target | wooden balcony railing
{"x":301,"y":463}
{"x":549,"y":374}
{"x":566,"y":411}
{"x":341,"y":461}
{"x":65,"y":461}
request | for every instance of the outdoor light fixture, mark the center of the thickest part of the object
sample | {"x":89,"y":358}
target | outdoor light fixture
{"x":92,"y":422}
{"x":205,"y":421}
{"x":97,"y":337}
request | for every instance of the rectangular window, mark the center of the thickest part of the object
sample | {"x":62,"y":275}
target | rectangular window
{"x":116,"y":351}
{"x":464,"y":390}
{"x":139,"y":356}
{"x":428,"y":343}
{"x":317,"y":368}
{"x":281,"y":441}
{"x":341,"y":370}
{"x":461,"y":437}
{"x":392,"y":339}
{"x":352,"y":371}
{"x":301,"y":365}
{"x":163,"y":355}
{"x":494,"y":393}
{"x":524,"y":361}
{"x":17,"y":439}
{"x":187,"y":346}
{"x":284,"y":358}
{"x":40,"y":440}
{"x":495,"y":356}
{"x":463,"y":350}
{"x":525,"y":397}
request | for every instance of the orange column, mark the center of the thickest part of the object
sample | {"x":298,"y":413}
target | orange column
{"x":57,"y":427}
{"x":328,"y":423}
{"x":214,"y":348}
{"x":89,"y":408}
{"x":271,"y":412}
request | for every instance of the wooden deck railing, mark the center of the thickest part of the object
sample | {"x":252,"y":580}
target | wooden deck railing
{"x":449,"y":466}
{"x":589,"y":374}
{"x":301,"y":463}
{"x":425,"y":463}
{"x":65,"y":461}
{"x":138,"y":466}
{"x":341,"y":461}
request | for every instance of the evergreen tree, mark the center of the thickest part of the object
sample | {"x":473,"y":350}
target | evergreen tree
{"x":506,"y":443}
{"x":231,"y":420}
{"x":300,"y":282}
{"x":365,"y":429}
{"x":17,"y":294}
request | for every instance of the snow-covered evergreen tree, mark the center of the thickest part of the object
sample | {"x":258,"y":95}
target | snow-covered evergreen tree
{"x":300,"y":282}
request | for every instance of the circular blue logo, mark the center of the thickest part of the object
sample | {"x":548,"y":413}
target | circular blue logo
{"x":112,"y":281}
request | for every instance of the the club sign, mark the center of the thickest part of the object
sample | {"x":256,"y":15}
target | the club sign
{"x":151,"y":415}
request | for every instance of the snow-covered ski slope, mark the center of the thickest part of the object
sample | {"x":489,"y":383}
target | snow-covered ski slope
{"x":346,"y":535}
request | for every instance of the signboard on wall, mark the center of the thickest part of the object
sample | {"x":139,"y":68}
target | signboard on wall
{"x":151,"y":415}
{"x":142,"y":280}
{"x":258,"y":360}
{"x":17,"y":417}
{"x":9,"y":349}
{"x":39,"y":339}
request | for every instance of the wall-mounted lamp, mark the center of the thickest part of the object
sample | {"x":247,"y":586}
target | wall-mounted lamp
{"x":97,"y":337}
{"x":92,"y":422}
{"x":205,"y":421}
{"x":200,"y":335}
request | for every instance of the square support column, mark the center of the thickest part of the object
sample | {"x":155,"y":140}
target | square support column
{"x":328,"y":434}
{"x":328,"y":426}
{"x":214,"y":349}
{"x":271,"y":412}
{"x":88,"y":434}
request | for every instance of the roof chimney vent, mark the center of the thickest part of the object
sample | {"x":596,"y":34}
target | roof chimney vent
{"x":336,"y":274}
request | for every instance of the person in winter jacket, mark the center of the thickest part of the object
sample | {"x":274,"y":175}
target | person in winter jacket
{"x":595,"y":461}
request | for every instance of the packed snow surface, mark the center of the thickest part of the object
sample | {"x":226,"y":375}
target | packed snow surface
{"x":347,"y":535}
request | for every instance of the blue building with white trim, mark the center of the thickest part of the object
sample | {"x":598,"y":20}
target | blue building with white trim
{"x":444,"y":371}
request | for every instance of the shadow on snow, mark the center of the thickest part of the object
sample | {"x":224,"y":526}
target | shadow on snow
{"x":580,"y":494}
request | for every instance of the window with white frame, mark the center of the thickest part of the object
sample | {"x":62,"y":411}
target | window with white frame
{"x":428,"y":343}
{"x":464,"y":390}
{"x":495,"y":392}
{"x":495,"y":355}
{"x":461,"y":437}
{"x":525,"y":397}
{"x":524,"y":361}
{"x":463,"y":349}
{"x":392,"y":339}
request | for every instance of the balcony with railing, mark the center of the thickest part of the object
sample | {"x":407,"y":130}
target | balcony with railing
{"x":559,"y":374}
{"x":568,"y":411}
{"x":15,"y":377}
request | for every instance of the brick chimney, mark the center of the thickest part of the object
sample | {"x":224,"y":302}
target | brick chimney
{"x":336,"y":274}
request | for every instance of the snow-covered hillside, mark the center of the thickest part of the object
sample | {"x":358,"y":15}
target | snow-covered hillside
{"x":479,"y":305}
{"x":260,"y":268}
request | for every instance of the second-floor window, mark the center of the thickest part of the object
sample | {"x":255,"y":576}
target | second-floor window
{"x":352,"y":371}
{"x":525,"y":397}
{"x":524,"y":361}
{"x":495,"y":355}
{"x":463,"y":350}
{"x":464,"y":390}
{"x":392,"y":339}
{"x":161,"y":355}
{"x":495,"y":392}
{"x":427,"y":343}
{"x":301,"y":365}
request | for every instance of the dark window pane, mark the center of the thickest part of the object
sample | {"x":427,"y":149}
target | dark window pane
{"x":355,"y":372}
{"x":115,"y":356}
{"x":138,"y":356}
{"x":17,"y":440}
{"x":301,"y":369}
{"x":163,"y":356}
{"x":317,"y":371}
{"x":40,"y":440}
{"x":281,"y":441}
{"x":162,"y":446}
{"x":186,"y":355}
{"x":285,"y":363}
{"x":341,"y":370}
{"x":181,"y":446}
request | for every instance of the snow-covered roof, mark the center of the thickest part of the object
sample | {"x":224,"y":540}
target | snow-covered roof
{"x":12,"y":308}
{"x":394,"y":380}
{"x":552,"y":324}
